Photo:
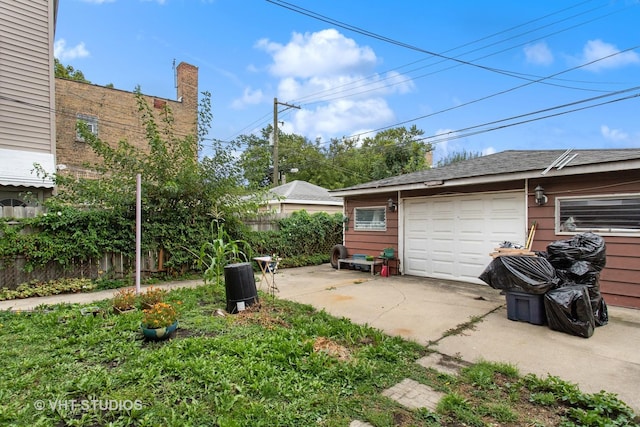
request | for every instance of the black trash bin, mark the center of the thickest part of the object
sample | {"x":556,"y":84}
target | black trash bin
{"x":240,"y":286}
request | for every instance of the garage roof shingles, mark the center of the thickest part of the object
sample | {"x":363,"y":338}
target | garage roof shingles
{"x":505,"y":162}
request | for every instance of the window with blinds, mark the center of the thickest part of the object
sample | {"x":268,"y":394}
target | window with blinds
{"x":602,"y":214}
{"x":370,"y":219}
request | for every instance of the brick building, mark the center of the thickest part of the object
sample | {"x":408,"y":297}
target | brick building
{"x":112,"y":114}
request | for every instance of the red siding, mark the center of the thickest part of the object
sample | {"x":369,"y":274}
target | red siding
{"x":371,"y":242}
{"x":620,"y":279}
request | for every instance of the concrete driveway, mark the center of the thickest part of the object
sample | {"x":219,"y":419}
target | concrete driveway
{"x":428,"y":311}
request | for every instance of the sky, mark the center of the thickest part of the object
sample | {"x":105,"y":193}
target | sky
{"x":475,"y":76}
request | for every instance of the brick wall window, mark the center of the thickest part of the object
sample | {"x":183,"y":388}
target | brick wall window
{"x":92,"y":124}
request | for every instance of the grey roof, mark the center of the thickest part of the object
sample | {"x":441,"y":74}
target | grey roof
{"x":303,"y":191}
{"x":508,"y":164}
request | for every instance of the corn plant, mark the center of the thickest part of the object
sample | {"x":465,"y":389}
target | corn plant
{"x":219,"y":251}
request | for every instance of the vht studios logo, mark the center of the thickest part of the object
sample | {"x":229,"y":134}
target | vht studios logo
{"x":86,"y":405}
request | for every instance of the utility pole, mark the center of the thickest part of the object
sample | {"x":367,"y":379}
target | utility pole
{"x":275,"y":135}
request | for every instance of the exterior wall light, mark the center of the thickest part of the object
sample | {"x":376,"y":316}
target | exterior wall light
{"x":541,"y":199}
{"x":392,"y":206}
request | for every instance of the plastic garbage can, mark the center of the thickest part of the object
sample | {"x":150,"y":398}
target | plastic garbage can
{"x":240,"y":286}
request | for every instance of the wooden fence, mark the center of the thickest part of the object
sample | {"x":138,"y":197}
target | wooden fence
{"x":265,"y":222}
{"x":115,"y":266}
{"x":20,"y":211}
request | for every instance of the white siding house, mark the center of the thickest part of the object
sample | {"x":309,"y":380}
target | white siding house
{"x":27,"y":98}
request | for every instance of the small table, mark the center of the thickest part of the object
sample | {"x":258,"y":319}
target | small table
{"x":361,"y":262}
{"x":268,"y":265}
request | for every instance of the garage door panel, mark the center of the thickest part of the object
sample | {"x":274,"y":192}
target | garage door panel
{"x":473,"y":207}
{"x":418,"y":265}
{"x":451,"y":237}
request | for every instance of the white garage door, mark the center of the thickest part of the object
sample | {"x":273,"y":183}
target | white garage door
{"x":451,"y":237}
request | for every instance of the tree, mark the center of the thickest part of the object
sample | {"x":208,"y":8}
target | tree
{"x":458,"y":157}
{"x":294,"y":152}
{"x":396,"y":151}
{"x":255,"y":160}
{"x":389,"y":153}
{"x":68,"y":72}
{"x":180,"y":195}
{"x":344,"y":163}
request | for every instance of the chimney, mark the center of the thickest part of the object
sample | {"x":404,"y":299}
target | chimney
{"x":187,"y":85}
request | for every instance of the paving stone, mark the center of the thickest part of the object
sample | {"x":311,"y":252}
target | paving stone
{"x":414,"y":395}
{"x":442,"y":363}
{"x":357,"y":423}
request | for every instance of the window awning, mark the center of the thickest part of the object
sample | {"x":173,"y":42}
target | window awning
{"x":17,"y":168}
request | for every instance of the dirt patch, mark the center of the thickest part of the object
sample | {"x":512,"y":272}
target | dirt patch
{"x":403,"y":332}
{"x":529,"y":414}
{"x":265,"y":315}
{"x":333,"y":349}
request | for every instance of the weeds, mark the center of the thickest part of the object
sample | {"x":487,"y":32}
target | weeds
{"x":280,"y":364}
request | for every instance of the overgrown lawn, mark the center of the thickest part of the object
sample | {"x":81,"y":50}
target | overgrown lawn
{"x":279,"y":364}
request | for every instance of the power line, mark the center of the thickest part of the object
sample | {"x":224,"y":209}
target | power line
{"x":333,"y":90}
{"x":530,"y":78}
{"x":533,"y":120}
{"x":386,"y":39}
{"x":538,"y":112}
{"x":500,"y":92}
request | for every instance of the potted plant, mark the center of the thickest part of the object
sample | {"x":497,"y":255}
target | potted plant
{"x":152,"y":296}
{"x":159,"y":321}
{"x":124,"y":300}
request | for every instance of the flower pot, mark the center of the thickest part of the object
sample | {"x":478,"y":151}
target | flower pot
{"x":118,"y":310}
{"x":91,"y":311}
{"x":146,"y":305}
{"x":158,"y":334}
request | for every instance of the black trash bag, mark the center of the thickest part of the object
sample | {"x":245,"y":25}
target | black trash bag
{"x":600,"y":311}
{"x":582,"y":247}
{"x":598,"y":306}
{"x":497,"y":276}
{"x":569,"y":310}
{"x":591,"y":280}
{"x":532,"y":275}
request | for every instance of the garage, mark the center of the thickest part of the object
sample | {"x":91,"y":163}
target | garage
{"x":450,"y":237}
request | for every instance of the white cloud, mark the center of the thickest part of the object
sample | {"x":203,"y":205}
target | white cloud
{"x":596,"y":49}
{"x":538,"y":54}
{"x":488,"y":150}
{"x":614,"y":135}
{"x":339,"y":118}
{"x":325,"y":53}
{"x":63,"y":53}
{"x":336,"y":77}
{"x":249,"y":97}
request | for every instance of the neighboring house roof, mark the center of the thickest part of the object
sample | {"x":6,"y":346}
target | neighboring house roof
{"x":302,"y":192}
{"x":505,"y":166}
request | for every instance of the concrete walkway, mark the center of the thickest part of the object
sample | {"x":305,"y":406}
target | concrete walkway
{"x":83,"y":298}
{"x":429,"y":312}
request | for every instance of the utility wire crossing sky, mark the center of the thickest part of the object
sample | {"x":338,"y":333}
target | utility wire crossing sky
{"x":476,"y":76}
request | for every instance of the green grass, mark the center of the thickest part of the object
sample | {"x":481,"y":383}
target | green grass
{"x":258,"y":368}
